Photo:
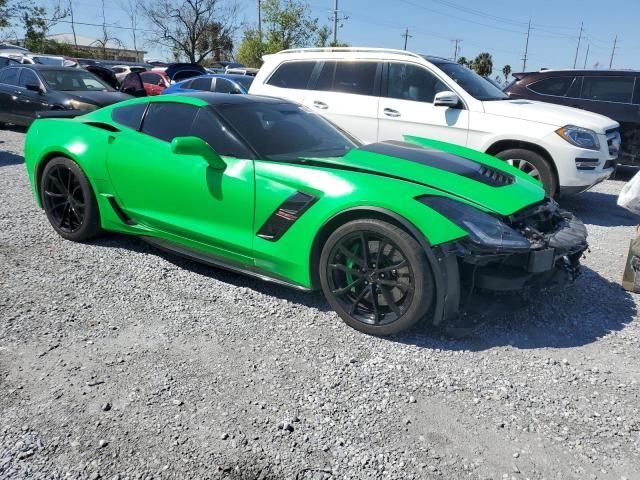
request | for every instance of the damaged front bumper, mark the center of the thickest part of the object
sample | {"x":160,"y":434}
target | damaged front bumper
{"x":558,"y":240}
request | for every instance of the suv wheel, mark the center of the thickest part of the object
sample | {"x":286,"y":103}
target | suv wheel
{"x":532,"y":164}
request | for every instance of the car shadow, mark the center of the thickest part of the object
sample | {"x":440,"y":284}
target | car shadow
{"x":8,"y":158}
{"x":595,"y":208}
{"x":562,"y":318}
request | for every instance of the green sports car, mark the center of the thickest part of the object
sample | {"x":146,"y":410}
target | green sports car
{"x":392,"y":232}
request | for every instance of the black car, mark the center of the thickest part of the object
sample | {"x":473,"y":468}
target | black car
{"x":27,"y":89}
{"x":613,"y":93}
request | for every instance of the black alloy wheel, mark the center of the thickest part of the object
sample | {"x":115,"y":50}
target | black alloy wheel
{"x":376,"y":277}
{"x":68,"y":200}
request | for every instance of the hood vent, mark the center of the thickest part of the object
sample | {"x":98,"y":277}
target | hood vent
{"x":494,"y":177}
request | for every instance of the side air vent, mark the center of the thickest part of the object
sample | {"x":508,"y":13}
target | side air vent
{"x":121,"y":215}
{"x":495,"y":177}
{"x":286,"y":215}
{"x":103,"y":126}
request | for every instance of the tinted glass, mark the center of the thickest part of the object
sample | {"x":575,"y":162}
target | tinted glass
{"x":471,"y":82}
{"x":74,"y":80}
{"x":558,"y":86}
{"x":412,"y":82}
{"x":57,"y":62}
{"x":574,"y":89}
{"x":152,"y":78}
{"x":167,"y":121}
{"x":27,"y":77}
{"x":129,"y":116}
{"x":355,"y":77}
{"x":292,"y":75}
{"x":225,"y":86}
{"x":209,"y":128}
{"x":200,"y":84}
{"x":284,"y":131}
{"x":608,"y":89}
{"x":10,"y":76}
{"x":184,"y":74}
{"x":245,"y":81}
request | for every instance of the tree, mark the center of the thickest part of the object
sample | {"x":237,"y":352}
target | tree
{"x":193,"y":29}
{"x":251,"y":49}
{"x":37,"y":22}
{"x":132,"y":11}
{"x":506,"y":71}
{"x":287,"y":24}
{"x":483,"y":64}
{"x":463,"y":61}
{"x":106,"y":37}
{"x":4,"y":14}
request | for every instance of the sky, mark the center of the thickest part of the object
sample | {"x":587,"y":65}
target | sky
{"x":495,"y":26}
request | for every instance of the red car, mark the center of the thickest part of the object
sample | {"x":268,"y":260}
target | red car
{"x":154,"y":82}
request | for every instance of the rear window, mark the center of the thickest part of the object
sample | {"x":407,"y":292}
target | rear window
{"x":129,"y":116}
{"x":292,"y":75}
{"x":608,"y":89}
{"x":358,"y":78}
{"x":557,"y":86}
{"x":203,"y":84}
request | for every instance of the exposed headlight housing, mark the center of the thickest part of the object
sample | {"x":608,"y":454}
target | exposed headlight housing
{"x":483,"y":229}
{"x":78,"y":105}
{"x":580,"y":137}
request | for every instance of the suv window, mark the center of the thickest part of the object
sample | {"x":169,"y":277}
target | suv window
{"x":28,"y":77}
{"x":203,"y":84}
{"x":608,"y":89}
{"x":412,"y":82}
{"x":10,"y":76}
{"x":292,"y":75}
{"x":129,"y":116}
{"x":168,"y":120}
{"x":558,"y":86}
{"x":348,"y":77}
{"x":209,"y":128}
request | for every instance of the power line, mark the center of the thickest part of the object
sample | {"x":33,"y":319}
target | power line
{"x":526,"y":49}
{"x":615,"y":40}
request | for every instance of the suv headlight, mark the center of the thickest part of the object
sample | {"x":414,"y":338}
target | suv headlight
{"x":483,"y":229}
{"x":580,"y":137}
{"x":78,"y":105}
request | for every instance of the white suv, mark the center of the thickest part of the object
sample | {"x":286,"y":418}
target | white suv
{"x":381,"y":94}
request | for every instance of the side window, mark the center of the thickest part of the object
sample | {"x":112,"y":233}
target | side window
{"x":225,"y":86}
{"x":200,"y":84}
{"x":152,"y":78}
{"x":355,"y":77}
{"x":129,"y":116}
{"x":574,"y":89}
{"x":10,"y":76}
{"x":217,"y":135}
{"x":28,"y":77}
{"x":292,"y":75}
{"x":608,"y":89}
{"x":412,"y":82}
{"x":558,"y":86}
{"x":168,"y":120}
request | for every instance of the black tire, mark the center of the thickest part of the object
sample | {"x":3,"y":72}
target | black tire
{"x":403,"y":295}
{"x":69,"y":201}
{"x":525,"y":159}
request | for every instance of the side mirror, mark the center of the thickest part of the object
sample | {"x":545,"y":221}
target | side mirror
{"x":198,"y":147}
{"x":34,"y":87}
{"x":446,"y":99}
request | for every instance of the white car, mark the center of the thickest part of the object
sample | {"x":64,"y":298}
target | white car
{"x":122,"y":71}
{"x":382,"y":94}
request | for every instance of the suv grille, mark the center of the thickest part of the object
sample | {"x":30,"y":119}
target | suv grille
{"x":613,"y":141}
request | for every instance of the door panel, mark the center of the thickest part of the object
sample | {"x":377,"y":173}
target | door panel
{"x":407,"y":107}
{"x":29,"y":102}
{"x":8,"y":95}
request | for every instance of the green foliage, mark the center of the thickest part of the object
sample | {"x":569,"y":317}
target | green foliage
{"x":251,"y":49}
{"x":463,"y":61}
{"x":483,"y":64}
{"x":4,"y":14}
{"x":506,"y":71}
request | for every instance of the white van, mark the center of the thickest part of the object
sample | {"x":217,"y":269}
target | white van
{"x":381,"y":94}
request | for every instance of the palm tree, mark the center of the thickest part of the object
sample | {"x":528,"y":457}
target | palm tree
{"x":506,"y":71}
{"x":463,"y":61}
{"x":483,"y":64}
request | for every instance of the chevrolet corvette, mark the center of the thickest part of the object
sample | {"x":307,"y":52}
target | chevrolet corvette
{"x":391,"y":232}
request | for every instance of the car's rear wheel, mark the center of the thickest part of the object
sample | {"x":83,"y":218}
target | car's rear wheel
{"x":534,"y":165}
{"x":376,"y":277}
{"x":69,"y":201}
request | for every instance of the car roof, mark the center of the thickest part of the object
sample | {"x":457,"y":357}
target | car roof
{"x":568,"y":72}
{"x":230,"y":76}
{"x":38,"y":66}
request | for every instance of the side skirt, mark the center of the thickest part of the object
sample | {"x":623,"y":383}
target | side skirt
{"x":214,"y":261}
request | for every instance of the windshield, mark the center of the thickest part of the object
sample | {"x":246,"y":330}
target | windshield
{"x":56,"y":62}
{"x":471,"y":82}
{"x":244,"y":81}
{"x":74,"y":81}
{"x":283,"y":131}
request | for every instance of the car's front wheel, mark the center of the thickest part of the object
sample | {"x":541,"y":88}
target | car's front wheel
{"x":376,"y":277}
{"x":69,"y":201}
{"x":534,"y":165}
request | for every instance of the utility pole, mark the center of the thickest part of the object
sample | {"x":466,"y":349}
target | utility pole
{"x":259,"y":22}
{"x":406,"y":37}
{"x":456,"y":42}
{"x":335,"y":22}
{"x":575,"y":60}
{"x":586,"y":55}
{"x":526,"y":48}
{"x":73,"y":27}
{"x":615,"y":41}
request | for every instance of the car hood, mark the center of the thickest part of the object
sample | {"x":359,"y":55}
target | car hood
{"x":469,"y":175}
{"x":549,"y":113}
{"x":102,"y":99}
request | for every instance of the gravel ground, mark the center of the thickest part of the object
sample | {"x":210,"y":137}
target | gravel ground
{"x":119,"y":361}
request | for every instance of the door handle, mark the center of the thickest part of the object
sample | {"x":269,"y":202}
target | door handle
{"x":390,"y":112}
{"x":320,"y":105}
